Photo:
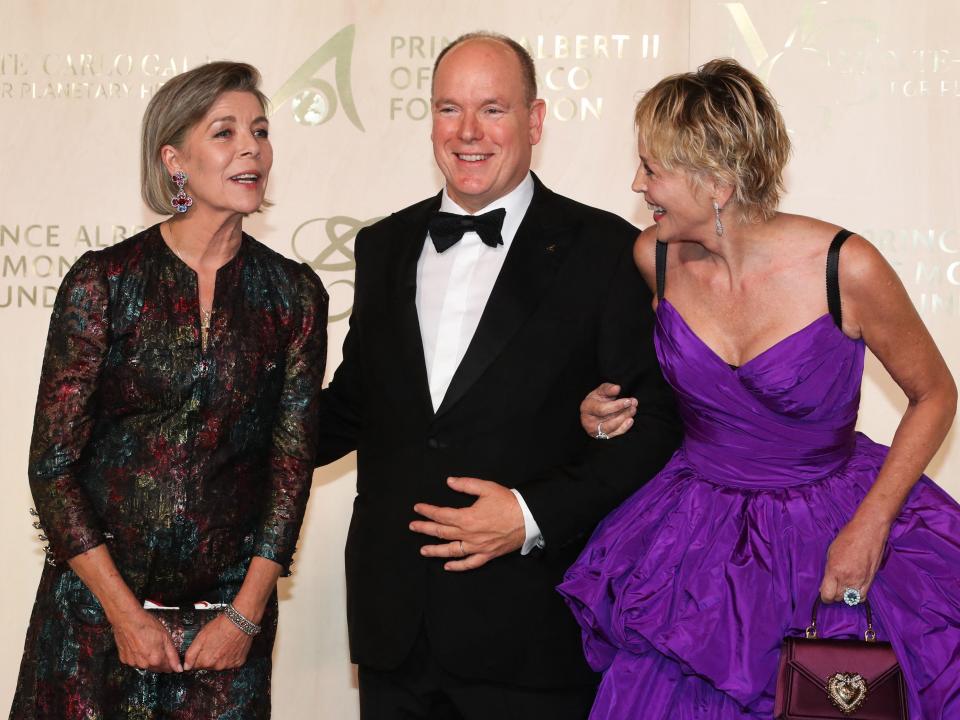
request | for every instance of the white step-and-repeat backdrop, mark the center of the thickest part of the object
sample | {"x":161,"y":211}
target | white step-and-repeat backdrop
{"x":870,"y":90}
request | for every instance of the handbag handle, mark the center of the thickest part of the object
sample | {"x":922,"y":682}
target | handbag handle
{"x":869,"y":635}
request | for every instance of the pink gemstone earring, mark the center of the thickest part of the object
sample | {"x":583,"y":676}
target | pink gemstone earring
{"x":181,"y":201}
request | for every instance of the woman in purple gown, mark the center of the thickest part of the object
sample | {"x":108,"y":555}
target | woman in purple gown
{"x":685,"y":592}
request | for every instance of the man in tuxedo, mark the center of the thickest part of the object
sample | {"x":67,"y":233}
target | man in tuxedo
{"x":481,"y":319}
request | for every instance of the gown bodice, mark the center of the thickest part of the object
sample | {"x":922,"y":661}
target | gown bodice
{"x":785,"y":417}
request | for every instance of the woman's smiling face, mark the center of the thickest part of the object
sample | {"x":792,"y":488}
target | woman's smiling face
{"x":227,"y":156}
{"x":682,"y":209}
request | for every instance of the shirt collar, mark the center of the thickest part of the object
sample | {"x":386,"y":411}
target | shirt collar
{"x":514,"y":202}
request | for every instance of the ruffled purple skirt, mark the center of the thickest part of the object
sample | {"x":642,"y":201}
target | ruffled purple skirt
{"x":685,"y":592}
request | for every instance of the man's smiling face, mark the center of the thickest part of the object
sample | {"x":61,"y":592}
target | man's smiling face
{"x":484,"y":128}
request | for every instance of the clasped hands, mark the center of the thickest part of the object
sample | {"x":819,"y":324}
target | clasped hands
{"x":473,"y":536}
{"x":144,"y":643}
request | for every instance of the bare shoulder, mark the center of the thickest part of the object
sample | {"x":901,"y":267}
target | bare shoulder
{"x":869,"y":286}
{"x":867,"y":281}
{"x":878,"y":309}
{"x":804,"y":230}
{"x":865,"y":273}
{"x":644,"y":255}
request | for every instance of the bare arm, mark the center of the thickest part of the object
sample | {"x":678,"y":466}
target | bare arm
{"x":877,"y":304}
{"x":876,"y":307}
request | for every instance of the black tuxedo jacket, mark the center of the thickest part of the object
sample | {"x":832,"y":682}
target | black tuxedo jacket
{"x":568,"y":311}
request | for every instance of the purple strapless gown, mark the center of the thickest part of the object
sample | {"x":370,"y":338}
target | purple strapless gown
{"x":686,"y":590}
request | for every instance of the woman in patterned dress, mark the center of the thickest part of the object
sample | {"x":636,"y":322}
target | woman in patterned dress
{"x":173,"y":440}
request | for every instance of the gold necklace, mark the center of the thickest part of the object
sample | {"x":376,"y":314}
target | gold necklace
{"x":205,"y":315}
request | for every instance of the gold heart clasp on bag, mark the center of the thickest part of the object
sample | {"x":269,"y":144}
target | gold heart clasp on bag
{"x":847,"y":691}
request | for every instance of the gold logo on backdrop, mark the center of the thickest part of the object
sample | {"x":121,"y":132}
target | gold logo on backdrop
{"x":843,"y":51}
{"x":566,"y":68}
{"x":801,"y":37}
{"x":34,"y":257}
{"x":755,"y":45}
{"x":312,"y":99}
{"x":325,"y":244}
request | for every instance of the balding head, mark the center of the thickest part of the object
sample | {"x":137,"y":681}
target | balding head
{"x":525,"y":64}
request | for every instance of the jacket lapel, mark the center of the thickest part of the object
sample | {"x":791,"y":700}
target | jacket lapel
{"x":535,"y":255}
{"x":410,"y":352}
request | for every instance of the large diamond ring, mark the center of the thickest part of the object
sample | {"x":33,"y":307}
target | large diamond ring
{"x":601,"y":435}
{"x":851,"y":596}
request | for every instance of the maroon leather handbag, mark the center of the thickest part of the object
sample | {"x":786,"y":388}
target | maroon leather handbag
{"x":820,"y":678}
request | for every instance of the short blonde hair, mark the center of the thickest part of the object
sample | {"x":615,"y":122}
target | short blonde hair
{"x":719,"y":123}
{"x":177,"y":106}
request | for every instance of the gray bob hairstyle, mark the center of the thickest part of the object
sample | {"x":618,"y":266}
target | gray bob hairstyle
{"x":176,"y":107}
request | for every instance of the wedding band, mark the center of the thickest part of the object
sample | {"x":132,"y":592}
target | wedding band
{"x":463,"y":552}
{"x":851,"y":596}
{"x":601,"y":435}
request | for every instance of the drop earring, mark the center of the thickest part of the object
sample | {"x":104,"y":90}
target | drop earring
{"x":716,"y":212}
{"x":181,"y":201}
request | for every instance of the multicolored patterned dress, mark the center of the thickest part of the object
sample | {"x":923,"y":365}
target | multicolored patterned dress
{"x":185,"y":463}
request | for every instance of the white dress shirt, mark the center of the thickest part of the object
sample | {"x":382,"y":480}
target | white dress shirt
{"x":452,"y":290}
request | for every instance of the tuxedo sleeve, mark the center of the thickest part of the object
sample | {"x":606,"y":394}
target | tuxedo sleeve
{"x":569,"y":501}
{"x":341,"y":402}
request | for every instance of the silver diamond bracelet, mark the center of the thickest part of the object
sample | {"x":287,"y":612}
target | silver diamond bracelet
{"x":248,"y":627}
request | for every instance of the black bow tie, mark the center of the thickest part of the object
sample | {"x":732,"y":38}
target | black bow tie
{"x":446,"y":229}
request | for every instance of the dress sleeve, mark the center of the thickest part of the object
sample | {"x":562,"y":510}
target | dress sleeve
{"x":294,"y":435}
{"x":341,"y":403}
{"x":77,"y":345}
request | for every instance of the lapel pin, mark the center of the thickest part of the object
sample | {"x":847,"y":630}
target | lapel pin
{"x":551,"y":247}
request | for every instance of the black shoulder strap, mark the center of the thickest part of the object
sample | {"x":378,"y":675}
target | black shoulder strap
{"x":661,"y":268}
{"x":833,"y":276}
